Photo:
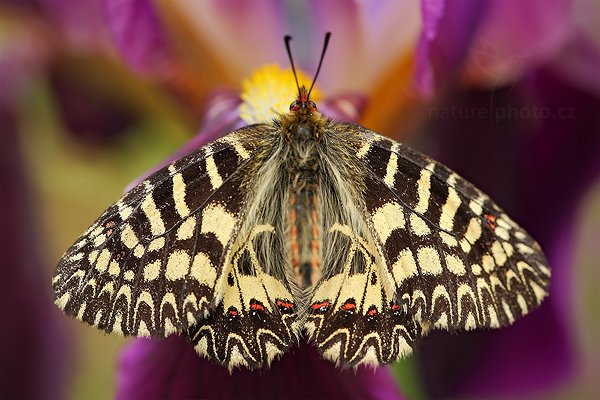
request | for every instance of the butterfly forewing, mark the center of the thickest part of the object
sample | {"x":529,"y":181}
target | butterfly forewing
{"x":452,"y":254}
{"x":150,"y":265}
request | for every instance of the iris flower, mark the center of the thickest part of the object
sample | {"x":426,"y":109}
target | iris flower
{"x":409,"y":67}
{"x":503,"y":91}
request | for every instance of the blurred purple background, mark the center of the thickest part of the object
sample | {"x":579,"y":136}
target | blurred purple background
{"x":95,"y":93}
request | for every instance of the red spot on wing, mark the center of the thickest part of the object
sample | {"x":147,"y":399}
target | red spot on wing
{"x":256,"y":306}
{"x":396,"y":309}
{"x":372,"y":314}
{"x":108,"y":227}
{"x":349,"y":305}
{"x":232,"y":311}
{"x":284,"y":304}
{"x":320,"y":306}
{"x":491,"y":221}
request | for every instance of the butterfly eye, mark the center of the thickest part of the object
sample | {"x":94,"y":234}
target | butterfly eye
{"x":312,"y":105}
{"x":294,"y":106}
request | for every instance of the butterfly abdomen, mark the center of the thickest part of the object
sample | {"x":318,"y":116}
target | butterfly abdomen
{"x":304,"y":235}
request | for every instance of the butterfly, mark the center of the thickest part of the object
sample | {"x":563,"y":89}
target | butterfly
{"x":302,"y":227}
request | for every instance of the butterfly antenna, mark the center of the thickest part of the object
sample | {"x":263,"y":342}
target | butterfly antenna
{"x":327,"y":36}
{"x":287,"y":40}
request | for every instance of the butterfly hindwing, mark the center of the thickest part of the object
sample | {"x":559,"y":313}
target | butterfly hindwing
{"x":253,"y":323}
{"x":353,"y":317}
{"x":453,"y":255}
{"x":150,"y":265}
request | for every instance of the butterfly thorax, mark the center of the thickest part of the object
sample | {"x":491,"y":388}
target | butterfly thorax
{"x":304,"y":124}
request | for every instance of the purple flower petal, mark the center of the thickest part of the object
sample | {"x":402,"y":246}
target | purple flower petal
{"x":237,"y":37}
{"x":221,"y":116}
{"x":139,"y":34}
{"x":579,"y":62}
{"x":494,"y":41}
{"x":348,"y":107}
{"x":241,"y":35}
{"x":448,"y":29}
{"x":534,"y":149}
{"x":170,"y":368}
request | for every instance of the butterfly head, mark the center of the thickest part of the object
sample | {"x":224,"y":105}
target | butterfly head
{"x":303,"y":103}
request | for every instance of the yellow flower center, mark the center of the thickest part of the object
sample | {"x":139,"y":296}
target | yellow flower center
{"x":269,"y":91}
